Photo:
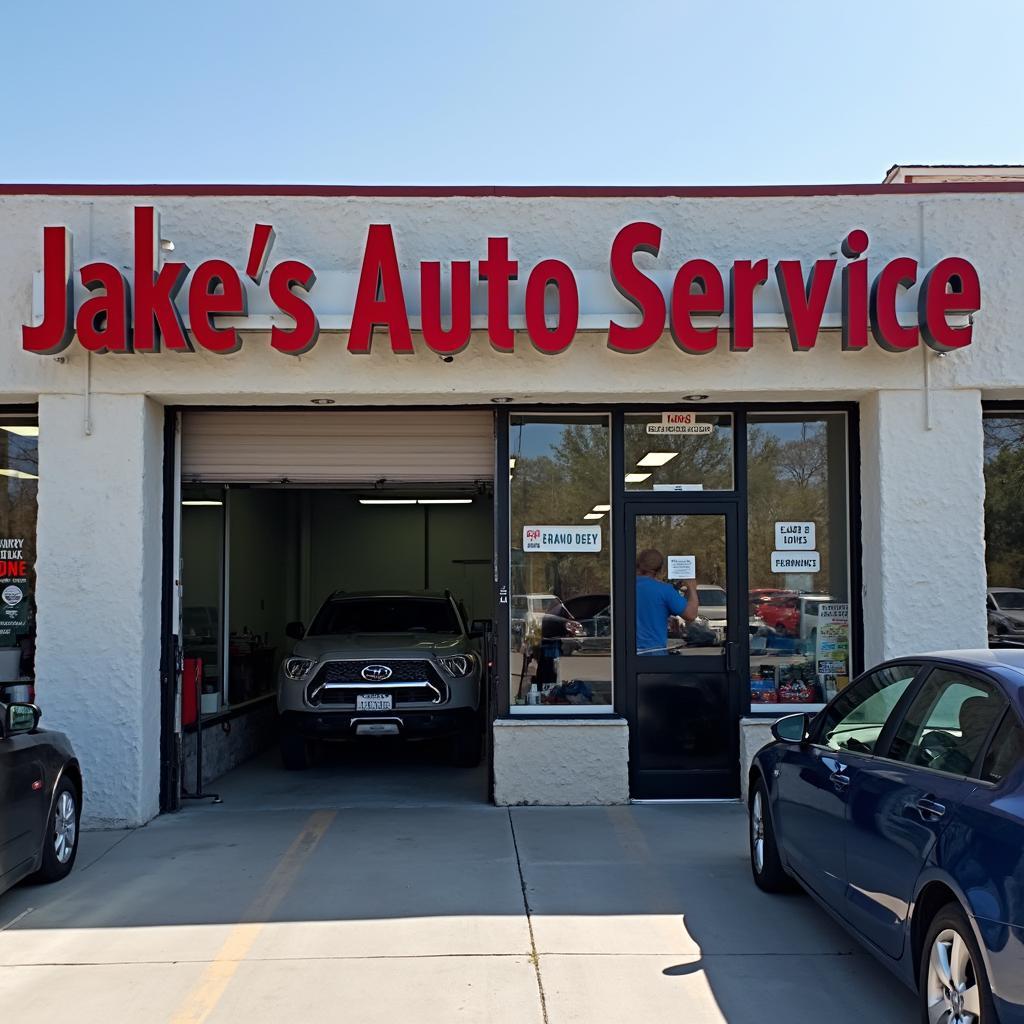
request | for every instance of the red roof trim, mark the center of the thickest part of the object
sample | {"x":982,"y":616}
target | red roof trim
{"x":515,"y":191}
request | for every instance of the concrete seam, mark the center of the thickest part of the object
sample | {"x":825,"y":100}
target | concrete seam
{"x":534,"y":957}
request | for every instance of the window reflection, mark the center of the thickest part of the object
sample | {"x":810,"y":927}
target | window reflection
{"x":560,"y":606}
{"x":670,"y":456}
{"x":798,"y":550}
{"x":1004,"y":529}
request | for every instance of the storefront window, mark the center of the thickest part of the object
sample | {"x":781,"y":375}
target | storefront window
{"x":1004,"y":528}
{"x":798,"y":550}
{"x":679,"y":451}
{"x":19,"y":485}
{"x":560,"y":604}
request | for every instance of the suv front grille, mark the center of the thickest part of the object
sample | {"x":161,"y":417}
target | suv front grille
{"x":411,"y":682}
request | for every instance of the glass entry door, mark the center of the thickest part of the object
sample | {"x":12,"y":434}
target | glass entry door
{"x":685,"y":642}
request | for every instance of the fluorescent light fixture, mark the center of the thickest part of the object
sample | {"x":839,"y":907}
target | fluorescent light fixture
{"x":18,"y":475}
{"x":657,"y":458}
{"x":445,"y":501}
{"x":594,"y":515}
{"x":636,"y":478}
{"x":23,"y":431}
{"x":387,"y":501}
{"x":203,"y":503}
{"x":602,"y":508}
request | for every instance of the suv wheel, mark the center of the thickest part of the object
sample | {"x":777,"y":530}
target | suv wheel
{"x":294,"y":752}
{"x":952,"y":982}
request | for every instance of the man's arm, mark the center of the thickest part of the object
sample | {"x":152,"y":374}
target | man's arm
{"x":692,"y":604}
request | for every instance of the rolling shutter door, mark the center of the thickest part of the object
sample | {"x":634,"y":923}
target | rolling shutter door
{"x":337,"y":447}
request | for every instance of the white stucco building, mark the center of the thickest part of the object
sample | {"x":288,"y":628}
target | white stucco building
{"x":880,"y":452}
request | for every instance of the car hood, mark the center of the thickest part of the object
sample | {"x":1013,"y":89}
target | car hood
{"x":380,"y":645}
{"x":1013,"y":614}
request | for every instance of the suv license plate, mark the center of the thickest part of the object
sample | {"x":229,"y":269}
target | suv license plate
{"x":374,"y":702}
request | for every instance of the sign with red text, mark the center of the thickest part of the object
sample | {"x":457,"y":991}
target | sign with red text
{"x":148,"y":302}
{"x":15,"y":595}
{"x":562,"y":538}
{"x":680,"y":423}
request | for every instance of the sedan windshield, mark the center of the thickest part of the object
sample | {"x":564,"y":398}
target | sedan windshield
{"x":1010,"y":600}
{"x":385,"y":615}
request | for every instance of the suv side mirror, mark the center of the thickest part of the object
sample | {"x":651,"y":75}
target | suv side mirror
{"x":478,"y":627}
{"x":792,"y":728}
{"x":295,"y":630}
{"x":21,"y":718}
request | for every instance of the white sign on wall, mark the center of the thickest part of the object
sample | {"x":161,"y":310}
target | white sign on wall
{"x":682,"y":567}
{"x":561,"y":538}
{"x":680,"y":423}
{"x":796,"y":561}
{"x":794,"y":535}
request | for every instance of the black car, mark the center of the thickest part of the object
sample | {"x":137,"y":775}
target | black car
{"x":40,"y":799}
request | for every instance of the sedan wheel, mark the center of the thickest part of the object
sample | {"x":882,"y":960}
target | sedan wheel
{"x":954,"y":995}
{"x":65,"y":827}
{"x":757,"y":832}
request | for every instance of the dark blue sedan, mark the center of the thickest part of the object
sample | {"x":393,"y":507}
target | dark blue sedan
{"x":900,"y":808}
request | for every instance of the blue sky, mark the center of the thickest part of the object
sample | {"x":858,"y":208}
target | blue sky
{"x":521,"y":92}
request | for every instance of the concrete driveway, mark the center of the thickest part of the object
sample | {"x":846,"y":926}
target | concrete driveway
{"x":359,"y":910}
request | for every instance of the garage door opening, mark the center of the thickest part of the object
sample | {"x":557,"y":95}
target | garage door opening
{"x":336,"y":605}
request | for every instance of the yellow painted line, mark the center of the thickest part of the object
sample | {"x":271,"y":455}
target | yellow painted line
{"x":207,"y":993}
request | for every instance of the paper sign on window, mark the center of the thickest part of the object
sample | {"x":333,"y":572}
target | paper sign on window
{"x":561,"y":538}
{"x":796,"y":561}
{"x":682,"y":567}
{"x":794,"y":535}
{"x":680,"y":423}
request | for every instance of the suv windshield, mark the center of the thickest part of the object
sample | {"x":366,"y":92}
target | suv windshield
{"x":1010,"y":600}
{"x":385,"y":615}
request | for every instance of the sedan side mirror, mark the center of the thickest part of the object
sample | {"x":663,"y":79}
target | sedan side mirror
{"x":792,"y":728}
{"x":21,"y":718}
{"x":295,"y":630}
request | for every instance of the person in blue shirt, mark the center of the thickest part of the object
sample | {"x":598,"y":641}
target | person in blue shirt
{"x":656,"y":601}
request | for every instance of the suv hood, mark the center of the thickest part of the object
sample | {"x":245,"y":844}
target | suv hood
{"x":380,"y":645}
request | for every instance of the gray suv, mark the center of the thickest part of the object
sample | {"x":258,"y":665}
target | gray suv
{"x":382,"y":664}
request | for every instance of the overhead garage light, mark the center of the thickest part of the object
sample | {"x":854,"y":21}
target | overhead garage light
{"x":657,"y":458}
{"x":18,"y":474}
{"x":23,"y":431}
{"x":594,"y":515}
{"x":195,"y":503}
{"x":636,"y":478}
{"x":387,"y":501}
{"x":446,"y":501}
{"x":602,"y":508}
{"x":512,"y":462}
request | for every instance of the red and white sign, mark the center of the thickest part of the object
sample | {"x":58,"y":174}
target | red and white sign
{"x":168,"y":305}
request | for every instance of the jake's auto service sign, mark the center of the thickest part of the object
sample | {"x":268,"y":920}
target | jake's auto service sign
{"x":14,"y":590}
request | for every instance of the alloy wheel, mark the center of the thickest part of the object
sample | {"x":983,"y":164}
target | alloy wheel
{"x":757,"y":832}
{"x":65,"y":827}
{"x":954,"y":996}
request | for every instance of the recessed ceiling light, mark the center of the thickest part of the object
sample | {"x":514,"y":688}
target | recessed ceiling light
{"x":602,"y":508}
{"x":503,"y":400}
{"x":322,"y":401}
{"x":594,"y":515}
{"x":636,"y":478}
{"x":695,"y":398}
{"x":23,"y":431}
{"x":204,"y":503}
{"x":657,"y":458}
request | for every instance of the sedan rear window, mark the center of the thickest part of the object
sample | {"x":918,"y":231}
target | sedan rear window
{"x":349,"y":615}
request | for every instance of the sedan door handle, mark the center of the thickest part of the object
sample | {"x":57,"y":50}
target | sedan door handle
{"x":930,"y":809}
{"x":839,"y":779}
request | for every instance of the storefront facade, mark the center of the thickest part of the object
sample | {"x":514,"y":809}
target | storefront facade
{"x":656,"y":371}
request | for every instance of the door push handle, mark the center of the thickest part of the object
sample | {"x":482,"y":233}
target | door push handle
{"x":930,"y":809}
{"x":730,"y":656}
{"x":839,"y":779}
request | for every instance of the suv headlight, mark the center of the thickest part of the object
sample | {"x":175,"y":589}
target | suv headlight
{"x":296,"y":668}
{"x":458,"y":664}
